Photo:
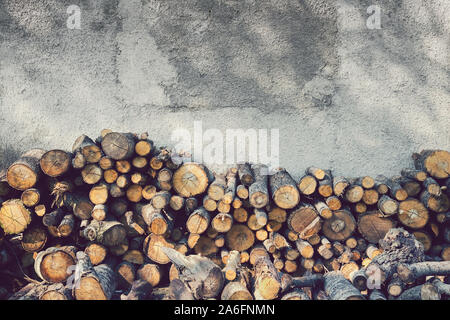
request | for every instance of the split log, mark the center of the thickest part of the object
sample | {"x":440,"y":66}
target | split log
{"x":119,"y":146}
{"x":283,"y":190}
{"x":25,"y":172}
{"x":190,"y":180}
{"x":339,"y":288}
{"x":200,"y":274}
{"x":305,"y":221}
{"x":339,"y":185}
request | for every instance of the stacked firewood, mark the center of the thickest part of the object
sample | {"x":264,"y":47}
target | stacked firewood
{"x":118,"y":218}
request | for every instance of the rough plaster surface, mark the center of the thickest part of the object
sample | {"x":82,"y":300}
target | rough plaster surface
{"x":356,"y":100}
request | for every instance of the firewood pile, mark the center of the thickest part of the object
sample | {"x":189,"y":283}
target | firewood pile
{"x":118,"y":218}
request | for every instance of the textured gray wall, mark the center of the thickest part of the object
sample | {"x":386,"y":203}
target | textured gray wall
{"x":356,"y":100}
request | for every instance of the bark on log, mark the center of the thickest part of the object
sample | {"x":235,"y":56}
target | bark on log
{"x":25,"y":172}
{"x":267,"y":280}
{"x":410,"y":272}
{"x":258,"y":191}
{"x":108,"y":233}
{"x":284,"y":190}
{"x":140,"y":290}
{"x":245,"y":174}
{"x":339,"y":288}
{"x":435,"y":162}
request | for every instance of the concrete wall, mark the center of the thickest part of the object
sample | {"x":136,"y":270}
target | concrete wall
{"x":343,"y":96}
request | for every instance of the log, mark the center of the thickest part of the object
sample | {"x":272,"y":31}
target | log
{"x":245,"y":174}
{"x":30,"y":197}
{"x":334,"y":203}
{"x":323,"y":210}
{"x":25,"y":172}
{"x":190,"y":180}
{"x":99,"y":194}
{"x":233,"y":264}
{"x":155,"y":220}
{"x":93,"y":283}
{"x":305,"y":248}
{"x":339,"y":288}
{"x":240,"y":215}
{"x":377,"y":295}
{"x":205,"y":246}
{"x":421,"y":292}
{"x":53,"y":264}
{"x":305,"y":221}
{"x":91,"y":174}
{"x":413,"y":214}
{"x":143,"y":147}
{"x":200,"y":274}
{"x":154,"y":248}
{"x":222,"y":222}
{"x":354,"y":193}
{"x":236,"y":290}
{"x":307,"y":185}
{"x":34,"y":239}
{"x":119,"y":146}
{"x":317,"y":173}
{"x":340,"y":226}
{"x":180,"y":291}
{"x":325,"y":188}
{"x":14,"y":217}
{"x":198,"y":221}
{"x":387,"y":205}
{"x":284,"y":190}
{"x":414,"y":174}
{"x":240,"y":238}
{"x":435,"y":162}
{"x":87,"y":147}
{"x":409,"y":273}
{"x":96,"y":253}
{"x":78,"y":161}
{"x":339,"y":185}
{"x":373,"y":227}
{"x":99,"y":212}
{"x":258,"y":191}
{"x":242,"y":191}
{"x":267,"y":280}
{"x":437,"y":204}
{"x":55,"y":163}
{"x":151,"y":273}
{"x":296,"y":294}
{"x":230,"y":189}
{"x":108,"y":233}
{"x":209,"y":204}
{"x":66,"y":226}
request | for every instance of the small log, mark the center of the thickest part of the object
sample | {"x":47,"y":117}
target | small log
{"x":67,"y":225}
{"x":209,"y":204}
{"x":25,"y":172}
{"x":153,"y":248}
{"x":305,"y":248}
{"x":339,"y":185}
{"x":205,"y":246}
{"x":240,"y":215}
{"x":245,"y":174}
{"x":180,"y":291}
{"x":334,"y":203}
{"x":87,"y":147}
{"x":78,"y":161}
{"x":387,"y":205}
{"x":258,"y":191}
{"x":317,"y":173}
{"x":339,"y":288}
{"x":395,"y":286}
{"x":233,"y":263}
{"x":323,"y":210}
{"x":143,"y":147}
{"x":354,"y":193}
{"x":230,"y":189}
{"x":34,"y":239}
{"x":222,"y":222}
{"x":198,"y":221}
{"x":91,"y":174}
{"x":106,"y":163}
{"x":437,"y":204}
{"x":242,"y":192}
{"x":432,"y":187}
{"x":418,"y":175}
{"x":325,"y":188}
{"x":99,"y":194}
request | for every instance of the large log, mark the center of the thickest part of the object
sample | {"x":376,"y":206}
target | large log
{"x":119,"y":146}
{"x":55,"y":163}
{"x":26,"y":171}
{"x":190,"y":180}
{"x":53,"y":264}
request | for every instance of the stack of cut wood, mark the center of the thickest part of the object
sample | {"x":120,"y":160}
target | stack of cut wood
{"x":117,"y":218}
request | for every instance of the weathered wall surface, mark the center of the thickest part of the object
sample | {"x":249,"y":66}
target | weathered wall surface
{"x":343,"y":96}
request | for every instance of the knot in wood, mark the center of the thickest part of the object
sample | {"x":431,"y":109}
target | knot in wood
{"x":338,"y":225}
